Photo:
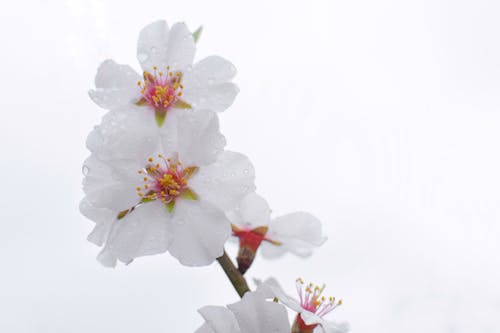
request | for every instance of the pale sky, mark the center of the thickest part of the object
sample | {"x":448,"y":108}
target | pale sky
{"x":379,"y":117}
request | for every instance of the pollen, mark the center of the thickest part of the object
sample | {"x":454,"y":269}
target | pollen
{"x":160,"y":89}
{"x":165,"y":180}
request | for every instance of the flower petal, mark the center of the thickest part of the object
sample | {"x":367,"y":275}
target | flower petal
{"x":212,"y":70}
{"x":116,"y":85}
{"x":225,"y":182}
{"x":103,"y":218}
{"x":271,"y":288}
{"x":130,"y":134}
{"x":310,"y":318}
{"x":199,"y":140}
{"x":181,"y":47}
{"x":152,"y":46}
{"x":333,"y":327}
{"x":145,"y":231}
{"x":217,"y":98}
{"x":298,"y":232}
{"x":254,"y":315}
{"x":219,"y":319}
{"x":207,"y":84}
{"x":200,"y":231}
{"x":253,"y":211}
{"x":105,"y":188}
{"x":205,"y":328}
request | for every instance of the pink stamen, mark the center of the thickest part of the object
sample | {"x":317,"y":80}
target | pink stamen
{"x":312,"y":301}
{"x":161,"y":90}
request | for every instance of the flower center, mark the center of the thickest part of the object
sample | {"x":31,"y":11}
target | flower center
{"x":311,"y":299}
{"x":161,"y":90}
{"x":165,"y":180}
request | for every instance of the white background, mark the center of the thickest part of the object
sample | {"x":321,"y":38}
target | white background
{"x":380,"y":117}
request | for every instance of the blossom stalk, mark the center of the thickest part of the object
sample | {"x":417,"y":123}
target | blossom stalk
{"x":237,"y":280}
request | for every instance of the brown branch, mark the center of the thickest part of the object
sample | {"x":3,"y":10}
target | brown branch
{"x":237,"y":280}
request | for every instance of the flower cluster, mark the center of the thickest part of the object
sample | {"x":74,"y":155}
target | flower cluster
{"x":159,"y":179}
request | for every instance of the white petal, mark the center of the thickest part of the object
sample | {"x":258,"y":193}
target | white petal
{"x":310,"y":318}
{"x":103,"y":218}
{"x":205,"y":328}
{"x":254,"y":211}
{"x":105,"y":188}
{"x":128,"y":134}
{"x":225,"y":182}
{"x":298,"y":232}
{"x":217,"y":97}
{"x":207,"y":84}
{"x":200,"y":231}
{"x":116,"y":85}
{"x":272,"y":287}
{"x":199,"y":139}
{"x":152,"y":46}
{"x":145,"y":231}
{"x":219,"y":319}
{"x":333,"y":327}
{"x":272,"y":251}
{"x":212,"y":70}
{"x":181,"y":47}
{"x":256,"y":315}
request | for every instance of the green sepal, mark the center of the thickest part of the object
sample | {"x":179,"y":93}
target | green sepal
{"x":160,"y":117}
{"x":197,"y":34}
{"x":144,"y":200}
{"x":180,"y":104}
{"x":122,"y":214}
{"x":188,"y":194}
{"x":141,"y":102}
{"x":170,"y":206}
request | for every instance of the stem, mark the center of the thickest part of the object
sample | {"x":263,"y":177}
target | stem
{"x":237,"y":280}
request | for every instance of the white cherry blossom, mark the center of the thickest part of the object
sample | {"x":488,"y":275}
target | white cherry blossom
{"x":169,"y":78}
{"x":253,"y":314}
{"x":164,"y":191}
{"x":298,"y":233}
{"x":310,"y":308}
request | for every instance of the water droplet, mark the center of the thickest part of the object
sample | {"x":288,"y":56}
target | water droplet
{"x":246,"y":171}
{"x":85,"y":170}
{"x":180,"y":221}
{"x":153,"y":49}
{"x":211,"y":81}
{"x":142,"y":57}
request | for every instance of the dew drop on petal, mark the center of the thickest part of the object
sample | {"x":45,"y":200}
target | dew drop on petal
{"x":85,"y":170}
{"x":142,"y":57}
{"x":246,"y":171}
{"x":211,"y":81}
{"x":180,"y":221}
{"x":153,"y":49}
